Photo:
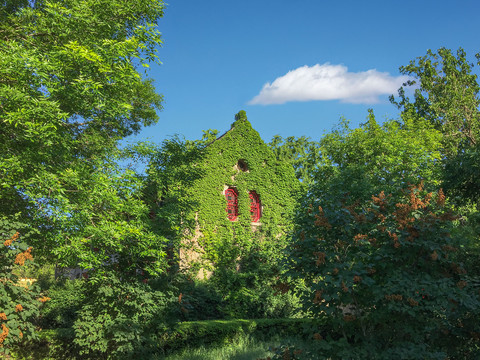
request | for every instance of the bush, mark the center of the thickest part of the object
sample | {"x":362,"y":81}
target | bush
{"x":19,"y":305}
{"x":57,"y":344}
{"x":250,"y":287}
{"x":197,"y":300}
{"x":120,"y":318}
{"x":387,"y":276}
{"x":61,"y":311}
{"x":258,"y":302}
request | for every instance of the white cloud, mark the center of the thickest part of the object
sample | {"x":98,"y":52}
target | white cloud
{"x":329,"y":82}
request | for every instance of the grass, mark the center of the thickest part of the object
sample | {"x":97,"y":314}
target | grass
{"x":244,"y":348}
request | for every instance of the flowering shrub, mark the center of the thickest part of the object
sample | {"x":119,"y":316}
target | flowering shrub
{"x":18,"y":304}
{"x":386,"y":274}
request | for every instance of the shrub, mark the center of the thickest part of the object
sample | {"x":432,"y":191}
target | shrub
{"x":61,"y":311}
{"x":250,"y":289}
{"x":57,"y":344}
{"x":197,"y":300}
{"x":386,"y":275}
{"x":18,"y":304}
{"x":120,"y":318}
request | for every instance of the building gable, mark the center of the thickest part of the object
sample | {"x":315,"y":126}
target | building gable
{"x":237,"y":164}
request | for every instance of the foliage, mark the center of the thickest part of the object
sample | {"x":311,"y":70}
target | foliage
{"x":183,"y":337}
{"x":384,"y":154}
{"x":386,"y":275}
{"x":49,"y":345}
{"x":303,"y":153}
{"x":248,"y":347}
{"x":120,"y":319}
{"x":67,"y":297}
{"x":446,"y":95}
{"x":254,"y":291}
{"x":375,"y":157}
{"x":187,"y":182}
{"x":243,"y":348}
{"x":198,"y":333}
{"x":19,"y":304}
{"x":197,"y":300}
{"x":292,"y":353}
{"x":110,"y":219}
{"x":44,"y":275}
{"x":462,"y":174}
{"x":170,"y":176}
{"x":70,"y":90}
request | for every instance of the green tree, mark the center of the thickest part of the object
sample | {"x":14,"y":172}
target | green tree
{"x":70,"y":89}
{"x":122,"y":319}
{"x":387,"y":275}
{"x":462,"y":174}
{"x":98,"y":213}
{"x":303,"y":153}
{"x":446,"y":95}
{"x":378,"y":154}
{"x":170,"y":175}
{"x":364,"y":161}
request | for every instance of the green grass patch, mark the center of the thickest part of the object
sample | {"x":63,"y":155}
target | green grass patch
{"x":223,"y":332}
{"x":246,"y":347}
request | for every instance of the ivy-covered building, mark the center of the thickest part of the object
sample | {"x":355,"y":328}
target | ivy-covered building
{"x":224,"y":198}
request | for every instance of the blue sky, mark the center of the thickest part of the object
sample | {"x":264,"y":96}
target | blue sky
{"x":314,"y":60}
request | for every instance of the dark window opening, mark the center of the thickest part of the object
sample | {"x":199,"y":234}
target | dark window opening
{"x":242,"y":165}
{"x":231,"y":195}
{"x":255,"y":206}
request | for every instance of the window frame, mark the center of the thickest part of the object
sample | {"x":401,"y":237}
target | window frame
{"x":255,"y":206}
{"x":231,"y":195}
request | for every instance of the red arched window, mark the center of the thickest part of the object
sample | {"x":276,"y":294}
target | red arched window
{"x":255,"y":206}
{"x":232,"y":203}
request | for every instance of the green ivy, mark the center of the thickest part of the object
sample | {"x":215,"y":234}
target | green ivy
{"x":188,"y":180}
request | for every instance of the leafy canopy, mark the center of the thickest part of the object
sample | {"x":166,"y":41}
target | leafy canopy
{"x":446,"y":95}
{"x":70,"y":89}
{"x":375,"y":157}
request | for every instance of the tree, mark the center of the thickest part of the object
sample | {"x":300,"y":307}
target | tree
{"x":303,"y":153}
{"x":364,"y":161}
{"x":387,"y":275}
{"x":99,"y":213}
{"x":381,"y":154}
{"x":446,"y":95}
{"x":461,"y":177}
{"x":70,"y":89}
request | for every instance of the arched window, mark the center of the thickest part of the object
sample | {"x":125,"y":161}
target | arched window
{"x":231,"y":195}
{"x":255,"y":206}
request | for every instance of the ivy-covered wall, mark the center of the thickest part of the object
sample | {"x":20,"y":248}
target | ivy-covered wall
{"x":223,"y":240}
{"x":199,"y":176}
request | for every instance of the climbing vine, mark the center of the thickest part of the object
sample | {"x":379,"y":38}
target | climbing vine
{"x":188,"y":180}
